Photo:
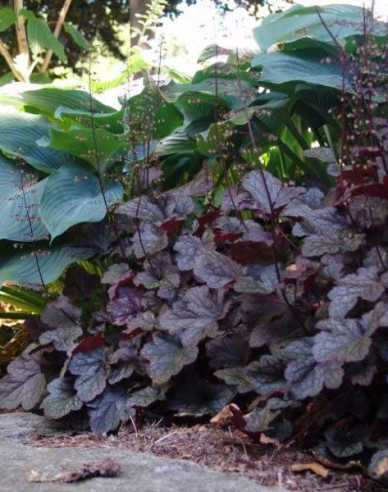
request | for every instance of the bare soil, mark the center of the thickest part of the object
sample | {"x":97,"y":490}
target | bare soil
{"x":222,"y":449}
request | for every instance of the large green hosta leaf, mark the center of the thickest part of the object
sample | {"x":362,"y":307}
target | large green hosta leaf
{"x":22,"y":134}
{"x":19,"y":201}
{"x":235,"y":93}
{"x":48,"y":99}
{"x":282,"y":68}
{"x":300,"y":22}
{"x":96,"y":146}
{"x":73,"y":195}
{"x":31,"y":266}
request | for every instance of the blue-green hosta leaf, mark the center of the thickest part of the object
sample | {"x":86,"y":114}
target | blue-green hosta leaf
{"x":167,"y":357}
{"x":7,"y":18}
{"x":267,"y":374}
{"x":364,"y":284}
{"x":195,"y":316}
{"x":112,"y":122}
{"x":107,"y":410}
{"x":49,"y":99}
{"x":30,"y":267}
{"x":281,"y":68}
{"x":61,"y":400}
{"x":65,"y":319}
{"x":307,"y":376}
{"x":303,"y":22}
{"x":92,"y":370}
{"x":96,"y":146}
{"x":20,"y":195}
{"x":73,"y":195}
{"x":22,"y":135}
{"x":345,"y":340}
{"x":41,"y":38}
{"x":24,"y":384}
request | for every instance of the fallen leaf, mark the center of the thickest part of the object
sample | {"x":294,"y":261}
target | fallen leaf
{"x":314,"y":467}
{"x":223,"y":418}
{"x":102,"y":468}
{"x":268,"y":440}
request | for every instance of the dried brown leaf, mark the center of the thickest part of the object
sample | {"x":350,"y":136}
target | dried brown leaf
{"x":102,"y":468}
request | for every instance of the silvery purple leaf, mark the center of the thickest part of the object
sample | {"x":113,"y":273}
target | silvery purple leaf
{"x":307,"y":376}
{"x":187,"y":248}
{"x":268,"y":191}
{"x":167,"y":357}
{"x":235,"y":376}
{"x":364,"y":284}
{"x":24,"y":385}
{"x":236,"y":199}
{"x":267,"y":374}
{"x":199,"y":186}
{"x":123,"y":363}
{"x":148,"y":240}
{"x":107,"y":410}
{"x":115,"y":273}
{"x":195,"y":316}
{"x":146,"y":396}
{"x":324,"y":154}
{"x":61,"y":400}
{"x":142,"y":208}
{"x":345,"y":340}
{"x":92,"y":370}
{"x":216,"y":269}
{"x":146,"y":321}
{"x":160,"y":273}
{"x":65,"y":318}
{"x":125,"y":307}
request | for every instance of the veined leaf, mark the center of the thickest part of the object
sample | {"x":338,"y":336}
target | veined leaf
{"x":73,"y":195}
{"x":304,"y":22}
{"x":48,"y":99}
{"x":21,"y":134}
{"x":20,"y":195}
{"x":30,"y":267}
{"x":94,"y":145}
{"x":41,"y":38}
{"x":281,"y":68}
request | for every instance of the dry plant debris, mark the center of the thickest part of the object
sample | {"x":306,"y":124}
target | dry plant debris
{"x":101,"y":468}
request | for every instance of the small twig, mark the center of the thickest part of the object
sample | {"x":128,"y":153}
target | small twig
{"x":8,"y":58}
{"x":57,"y":30}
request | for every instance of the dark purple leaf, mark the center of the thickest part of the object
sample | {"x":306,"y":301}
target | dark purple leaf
{"x":61,"y":400}
{"x":195,"y":316}
{"x":167,"y":357}
{"x":24,"y":384}
{"x":92,"y":370}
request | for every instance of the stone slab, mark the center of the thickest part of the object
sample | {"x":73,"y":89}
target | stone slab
{"x":141,"y":472}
